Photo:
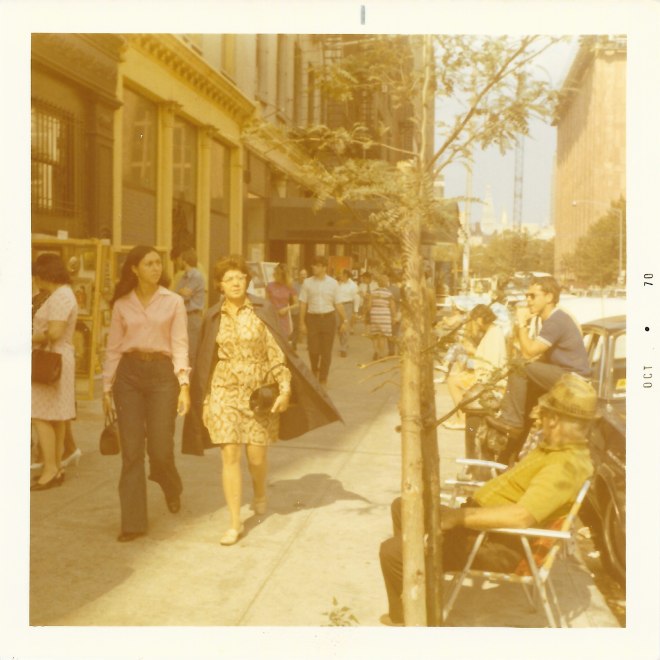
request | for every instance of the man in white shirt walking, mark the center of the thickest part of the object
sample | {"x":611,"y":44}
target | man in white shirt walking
{"x":348,"y":292}
{"x":318,"y":304}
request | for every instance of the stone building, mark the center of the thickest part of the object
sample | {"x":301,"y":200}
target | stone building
{"x":590,"y":170}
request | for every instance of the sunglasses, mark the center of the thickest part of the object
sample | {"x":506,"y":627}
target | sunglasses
{"x":234,"y":278}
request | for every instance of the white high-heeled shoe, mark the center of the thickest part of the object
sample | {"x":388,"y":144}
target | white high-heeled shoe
{"x":72,"y":458}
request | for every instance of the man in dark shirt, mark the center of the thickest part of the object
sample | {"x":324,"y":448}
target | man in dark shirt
{"x":557,"y":349}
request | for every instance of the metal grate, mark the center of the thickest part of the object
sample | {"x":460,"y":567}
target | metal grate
{"x":52,"y":159}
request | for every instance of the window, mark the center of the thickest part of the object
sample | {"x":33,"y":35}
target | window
{"x":282,"y":73}
{"x":184,"y":160}
{"x":311,"y":97}
{"x":184,"y":175}
{"x":297,"y":85}
{"x":219,"y":177}
{"x":262,"y":67}
{"x":52,"y":159}
{"x":139,"y":141}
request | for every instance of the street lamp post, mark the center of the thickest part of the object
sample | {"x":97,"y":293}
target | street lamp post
{"x":619,"y":212}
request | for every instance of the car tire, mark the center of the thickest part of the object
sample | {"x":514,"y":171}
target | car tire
{"x":614,"y":542}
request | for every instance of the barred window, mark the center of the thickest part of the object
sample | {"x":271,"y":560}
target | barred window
{"x":52,"y":159}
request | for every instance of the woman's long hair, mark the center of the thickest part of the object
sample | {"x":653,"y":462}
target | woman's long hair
{"x":282,"y":275}
{"x":128,"y":280}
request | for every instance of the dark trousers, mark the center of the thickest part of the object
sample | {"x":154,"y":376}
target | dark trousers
{"x":321,"y":330}
{"x":544,"y":375}
{"x":495,"y":554}
{"x":145,"y":395}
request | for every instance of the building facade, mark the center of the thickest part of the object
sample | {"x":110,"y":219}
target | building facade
{"x":140,"y":138}
{"x":590,"y":169}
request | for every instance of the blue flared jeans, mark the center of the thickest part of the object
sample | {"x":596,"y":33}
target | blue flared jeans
{"x":145,"y":395}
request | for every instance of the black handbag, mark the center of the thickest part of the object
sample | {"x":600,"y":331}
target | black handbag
{"x":109,"y":442}
{"x":263,"y":398}
{"x":46,"y":366}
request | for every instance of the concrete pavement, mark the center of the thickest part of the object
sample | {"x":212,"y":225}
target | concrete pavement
{"x":329,"y":498}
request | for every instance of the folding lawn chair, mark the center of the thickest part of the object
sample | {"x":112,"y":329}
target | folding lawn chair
{"x":540,"y":547}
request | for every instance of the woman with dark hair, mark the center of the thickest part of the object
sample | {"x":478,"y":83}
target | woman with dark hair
{"x":54,"y":324}
{"x":248,"y":357}
{"x":489,"y":355}
{"x":146,"y":374}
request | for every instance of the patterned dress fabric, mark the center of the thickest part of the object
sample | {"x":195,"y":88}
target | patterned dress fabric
{"x":380,"y":316}
{"x":57,"y":402}
{"x":246,"y":353}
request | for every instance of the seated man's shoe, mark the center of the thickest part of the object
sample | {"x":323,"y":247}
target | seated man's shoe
{"x":174,"y":504}
{"x":125,"y":537}
{"x":387,"y":621}
{"x":503,"y":427}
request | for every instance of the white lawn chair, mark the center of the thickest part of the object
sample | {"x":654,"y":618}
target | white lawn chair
{"x":541,"y":547}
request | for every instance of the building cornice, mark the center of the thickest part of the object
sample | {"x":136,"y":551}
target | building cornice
{"x":89,"y":60}
{"x":590,"y":47}
{"x":172,"y":53}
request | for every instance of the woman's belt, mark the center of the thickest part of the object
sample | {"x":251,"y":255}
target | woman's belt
{"x":147,"y":356}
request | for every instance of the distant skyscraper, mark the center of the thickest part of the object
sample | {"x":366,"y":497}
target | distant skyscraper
{"x":488,"y":223}
{"x":590,"y":169}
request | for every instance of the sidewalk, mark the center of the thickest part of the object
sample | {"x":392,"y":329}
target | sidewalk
{"x":329,"y":498}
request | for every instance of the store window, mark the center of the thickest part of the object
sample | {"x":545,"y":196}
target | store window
{"x":52,"y":159}
{"x":184,"y":175}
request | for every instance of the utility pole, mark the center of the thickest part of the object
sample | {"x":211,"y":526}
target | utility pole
{"x":468,"y":219}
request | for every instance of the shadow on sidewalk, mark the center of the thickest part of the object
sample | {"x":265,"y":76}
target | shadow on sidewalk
{"x":484,"y":604}
{"x":310,"y":491}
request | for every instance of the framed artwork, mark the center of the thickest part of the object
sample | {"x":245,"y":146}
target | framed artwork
{"x":269,"y":269}
{"x":83,"y":290}
{"x":82,"y":345}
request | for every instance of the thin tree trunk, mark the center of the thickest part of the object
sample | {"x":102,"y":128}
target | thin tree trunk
{"x":412,"y":511}
{"x":431,"y":472}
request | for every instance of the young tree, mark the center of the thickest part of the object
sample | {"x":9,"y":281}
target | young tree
{"x":512,"y":251}
{"x":601,"y":252}
{"x":486,"y":91}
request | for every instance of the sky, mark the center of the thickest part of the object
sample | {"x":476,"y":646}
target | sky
{"x":497,"y":171}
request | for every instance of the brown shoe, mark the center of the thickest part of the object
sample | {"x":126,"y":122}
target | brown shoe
{"x":387,"y":621}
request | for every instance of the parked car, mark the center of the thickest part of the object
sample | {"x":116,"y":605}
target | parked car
{"x":605,"y":507}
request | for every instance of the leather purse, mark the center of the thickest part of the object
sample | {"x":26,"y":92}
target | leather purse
{"x":109,"y":442}
{"x":46,"y":366}
{"x":263,"y":398}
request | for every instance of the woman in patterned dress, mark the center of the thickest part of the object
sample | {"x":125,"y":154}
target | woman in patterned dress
{"x":52,"y":405}
{"x":380,"y":308}
{"x":248,"y":357}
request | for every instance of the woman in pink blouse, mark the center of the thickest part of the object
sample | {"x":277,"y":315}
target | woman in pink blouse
{"x":146,"y":373}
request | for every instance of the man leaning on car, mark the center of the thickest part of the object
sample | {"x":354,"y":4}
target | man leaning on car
{"x":557,"y":349}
